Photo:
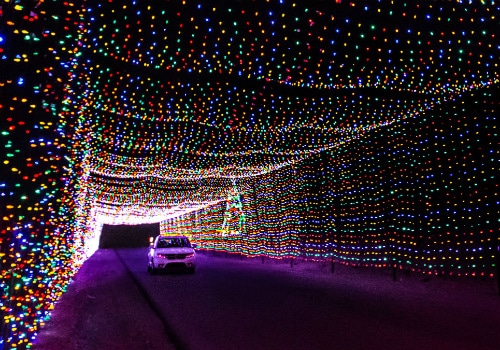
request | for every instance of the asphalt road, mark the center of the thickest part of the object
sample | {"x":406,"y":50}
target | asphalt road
{"x":230,"y":303}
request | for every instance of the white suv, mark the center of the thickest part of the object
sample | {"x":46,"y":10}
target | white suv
{"x":171,"y":252}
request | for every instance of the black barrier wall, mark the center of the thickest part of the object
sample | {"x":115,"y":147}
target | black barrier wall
{"x":127,"y":236}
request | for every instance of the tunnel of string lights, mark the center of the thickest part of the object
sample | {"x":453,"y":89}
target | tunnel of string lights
{"x":361,"y":132}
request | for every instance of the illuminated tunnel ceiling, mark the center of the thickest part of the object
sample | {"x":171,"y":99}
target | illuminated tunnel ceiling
{"x":171,"y":91}
{"x":142,"y":111}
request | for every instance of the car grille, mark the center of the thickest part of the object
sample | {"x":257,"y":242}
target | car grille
{"x":175,"y":256}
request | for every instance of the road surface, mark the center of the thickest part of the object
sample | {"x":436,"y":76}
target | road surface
{"x":233,"y":303}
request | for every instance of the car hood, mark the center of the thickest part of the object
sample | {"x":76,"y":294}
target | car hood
{"x":180,"y":250}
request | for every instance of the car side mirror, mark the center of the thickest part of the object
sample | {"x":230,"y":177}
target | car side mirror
{"x":194,"y":245}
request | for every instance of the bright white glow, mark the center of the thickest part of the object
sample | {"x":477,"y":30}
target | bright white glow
{"x":136,"y":215}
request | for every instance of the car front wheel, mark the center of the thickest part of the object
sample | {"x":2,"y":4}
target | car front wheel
{"x":151,"y":268}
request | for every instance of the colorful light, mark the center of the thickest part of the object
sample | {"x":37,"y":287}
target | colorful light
{"x":363,"y":132}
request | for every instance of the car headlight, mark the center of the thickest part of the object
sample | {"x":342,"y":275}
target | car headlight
{"x":189,"y":256}
{"x":161,"y":256}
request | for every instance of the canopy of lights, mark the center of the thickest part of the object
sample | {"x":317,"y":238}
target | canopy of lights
{"x":360,"y":132}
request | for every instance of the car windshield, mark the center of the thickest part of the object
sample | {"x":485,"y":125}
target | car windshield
{"x":175,"y":242}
